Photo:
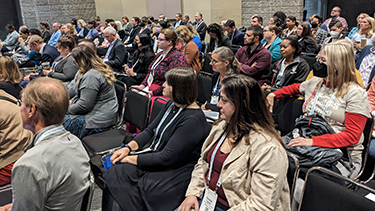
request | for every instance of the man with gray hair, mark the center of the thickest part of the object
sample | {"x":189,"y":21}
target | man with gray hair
{"x":116,"y":53}
{"x":56,"y":34}
{"x":53,"y":174}
{"x":200,"y":25}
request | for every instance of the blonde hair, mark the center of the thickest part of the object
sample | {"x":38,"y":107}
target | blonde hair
{"x":192,"y":29}
{"x":72,"y":29}
{"x":9,"y":70}
{"x":87,"y":59}
{"x":340,"y":66}
{"x":184,"y":32}
{"x":371,"y":29}
{"x":82,"y":22}
{"x":365,"y":15}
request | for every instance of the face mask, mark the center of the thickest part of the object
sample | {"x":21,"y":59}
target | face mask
{"x":334,"y":34}
{"x":314,"y":25}
{"x":320,"y":70}
{"x":148,"y":22}
{"x":142,"y":24}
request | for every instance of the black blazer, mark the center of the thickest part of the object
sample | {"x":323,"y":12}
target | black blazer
{"x":225,"y":41}
{"x":142,"y":68}
{"x":134,"y":32}
{"x":238,"y":38}
{"x":202,"y":28}
{"x":49,"y":54}
{"x":65,"y":70}
{"x":117,"y":56}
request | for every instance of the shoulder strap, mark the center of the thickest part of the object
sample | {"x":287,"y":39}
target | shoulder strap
{"x":10,"y":100}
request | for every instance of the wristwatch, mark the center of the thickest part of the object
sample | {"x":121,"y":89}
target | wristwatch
{"x":127,"y":146}
{"x":135,"y":74}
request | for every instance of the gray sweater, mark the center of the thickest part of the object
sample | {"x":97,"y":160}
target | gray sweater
{"x":96,"y":99}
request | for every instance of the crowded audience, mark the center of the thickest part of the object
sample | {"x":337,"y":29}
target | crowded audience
{"x":174,"y":163}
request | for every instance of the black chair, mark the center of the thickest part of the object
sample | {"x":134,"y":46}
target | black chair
{"x":204,"y":88}
{"x":136,"y":113}
{"x":5,"y":194}
{"x":293,"y":171}
{"x":321,"y":193}
{"x":156,"y":108}
{"x":206,"y":67}
{"x":367,"y":170}
{"x":310,"y":59}
{"x":87,"y":198}
{"x":285,"y":112}
{"x":120,"y":88}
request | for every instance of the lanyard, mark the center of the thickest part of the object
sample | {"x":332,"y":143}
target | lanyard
{"x":326,"y":107}
{"x":155,"y":145}
{"x":135,"y":63}
{"x":215,"y":90}
{"x":218,"y":184}
{"x":157,"y":62}
{"x":49,"y":132}
{"x":198,"y":24}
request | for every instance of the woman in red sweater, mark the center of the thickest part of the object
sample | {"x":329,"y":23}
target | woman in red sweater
{"x":334,"y":94}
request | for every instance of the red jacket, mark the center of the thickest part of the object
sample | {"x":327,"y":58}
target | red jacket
{"x":261,"y":56}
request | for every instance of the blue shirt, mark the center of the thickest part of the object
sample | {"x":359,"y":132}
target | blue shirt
{"x":54,"y":38}
{"x":198,"y":42}
{"x":93,"y":33}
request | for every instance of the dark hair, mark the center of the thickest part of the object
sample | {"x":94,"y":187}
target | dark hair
{"x":74,"y":21}
{"x":251,"y":108}
{"x":216,"y":29}
{"x":10,"y":26}
{"x":92,"y":22}
{"x":186,"y":16}
{"x":109,"y":20}
{"x":295,"y":44}
{"x":230,"y":23}
{"x":25,"y":30}
{"x":336,"y":23}
{"x":67,"y":42}
{"x":320,"y":19}
{"x":281,"y":16}
{"x":35,"y":32}
{"x":141,"y":52}
{"x":163,"y":24}
{"x":184,"y":85}
{"x":151,"y":18}
{"x":170,"y":35}
{"x":277,"y":20}
{"x":257,"y":31}
{"x":179,"y":14}
{"x":144,"y":20}
{"x":306,"y":32}
{"x":260,"y":19}
{"x":45,"y":24}
{"x":136,"y":19}
{"x":97,"y":18}
{"x":293,"y":19}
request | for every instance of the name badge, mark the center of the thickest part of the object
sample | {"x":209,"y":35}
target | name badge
{"x":150,"y":79}
{"x":209,"y":200}
{"x":214,"y":100}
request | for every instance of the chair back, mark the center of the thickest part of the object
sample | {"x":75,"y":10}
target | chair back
{"x":157,"y":106}
{"x":120,"y":88}
{"x":367,"y":170}
{"x":310,"y":59}
{"x":206,"y":67}
{"x":292,"y":174}
{"x":5,"y":194}
{"x":321,"y":193}
{"x":137,"y":108}
{"x":87,"y":198}
{"x":204,"y":88}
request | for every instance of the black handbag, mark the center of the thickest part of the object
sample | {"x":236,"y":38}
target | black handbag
{"x":309,"y":156}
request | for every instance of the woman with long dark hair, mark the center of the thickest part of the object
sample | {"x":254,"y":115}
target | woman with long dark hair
{"x":305,"y":38}
{"x":243,"y":159}
{"x":217,"y":38}
{"x":143,"y":57}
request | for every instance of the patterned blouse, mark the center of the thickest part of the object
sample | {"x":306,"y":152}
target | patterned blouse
{"x":174,"y":58}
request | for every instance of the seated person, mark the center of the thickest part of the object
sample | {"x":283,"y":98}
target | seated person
{"x":10,"y":77}
{"x":319,"y":34}
{"x":365,"y":63}
{"x":255,"y":59}
{"x":196,"y":38}
{"x":14,"y":137}
{"x":11,"y":40}
{"x":190,"y":49}
{"x":223,"y":64}
{"x":116,"y":53}
{"x":93,"y":105}
{"x":157,"y":180}
{"x":142,"y":59}
{"x":47,"y":52}
{"x":371,"y":100}
{"x":217,"y":38}
{"x":272,"y":42}
{"x":53,"y":173}
{"x":63,"y":67}
{"x":168,"y":58}
{"x":306,"y":40}
{"x":93,"y":33}
{"x":290,"y":69}
{"x":335,"y":31}
{"x":334,"y":94}
{"x":235,"y":36}
{"x":243,"y":158}
{"x":291,"y":28}
{"x":366,"y":31}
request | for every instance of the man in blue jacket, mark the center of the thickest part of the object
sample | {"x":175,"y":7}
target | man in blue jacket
{"x":236,"y":36}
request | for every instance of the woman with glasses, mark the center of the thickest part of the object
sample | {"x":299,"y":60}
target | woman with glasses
{"x":272,"y":42}
{"x":157,"y":178}
{"x":165,"y":60}
{"x":190,"y":49}
{"x":334,"y":94}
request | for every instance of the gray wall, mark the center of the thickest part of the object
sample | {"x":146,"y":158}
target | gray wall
{"x":35,"y":11}
{"x":266,"y":8}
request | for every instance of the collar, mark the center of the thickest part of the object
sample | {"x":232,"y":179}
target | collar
{"x":39,"y":134}
{"x":42,"y":48}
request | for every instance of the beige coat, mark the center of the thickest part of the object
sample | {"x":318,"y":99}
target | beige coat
{"x":253,"y":177}
{"x":13,"y":138}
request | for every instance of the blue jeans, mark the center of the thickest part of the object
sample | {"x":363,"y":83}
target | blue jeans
{"x":371,"y":150}
{"x":200,"y":202}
